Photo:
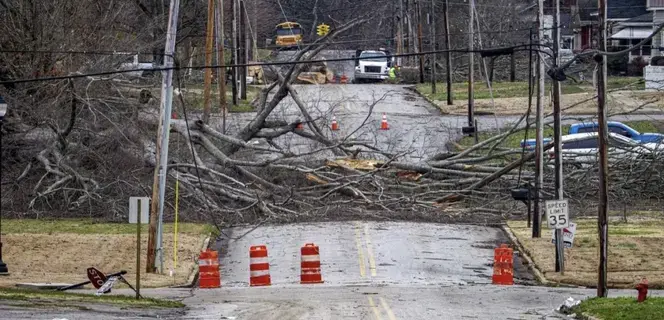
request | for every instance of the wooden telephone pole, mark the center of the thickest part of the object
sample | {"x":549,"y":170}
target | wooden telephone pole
{"x":448,"y":54}
{"x":539,"y":166}
{"x":433,"y":47}
{"x":557,"y":132}
{"x":243,"y":50}
{"x":221,"y":61}
{"x":471,"y":65}
{"x":419,"y":38}
{"x":603,"y":207}
{"x":207,"y":82}
{"x":234,"y":73}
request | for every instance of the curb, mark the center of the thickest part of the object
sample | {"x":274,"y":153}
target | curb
{"x":526,"y":256}
{"x":193,"y":276}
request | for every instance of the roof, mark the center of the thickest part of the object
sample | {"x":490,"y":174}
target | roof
{"x":642,"y":18}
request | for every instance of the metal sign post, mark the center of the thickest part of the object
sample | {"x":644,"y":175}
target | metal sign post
{"x":557,"y":217}
{"x":138,"y":251}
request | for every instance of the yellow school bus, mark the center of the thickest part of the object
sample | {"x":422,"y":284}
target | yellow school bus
{"x":289,"y":34}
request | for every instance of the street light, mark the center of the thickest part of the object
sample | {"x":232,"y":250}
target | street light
{"x":3,"y":110}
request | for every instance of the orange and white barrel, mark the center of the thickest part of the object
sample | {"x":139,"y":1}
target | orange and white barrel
{"x":310,"y":265}
{"x":259,"y":266}
{"x":208,"y":269}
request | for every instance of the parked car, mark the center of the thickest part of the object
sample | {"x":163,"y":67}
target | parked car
{"x":614,"y":127}
{"x":583,"y":148}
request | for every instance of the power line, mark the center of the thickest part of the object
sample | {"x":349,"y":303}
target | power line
{"x":523,"y":47}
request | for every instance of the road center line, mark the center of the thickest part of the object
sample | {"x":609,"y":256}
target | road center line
{"x":360,"y":251}
{"x":386,"y":306}
{"x":372,"y":261}
{"x":374,"y":308}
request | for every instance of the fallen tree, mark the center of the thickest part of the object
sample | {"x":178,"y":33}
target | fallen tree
{"x":94,"y":147}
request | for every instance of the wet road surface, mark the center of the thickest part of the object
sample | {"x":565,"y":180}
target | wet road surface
{"x":417,"y":128}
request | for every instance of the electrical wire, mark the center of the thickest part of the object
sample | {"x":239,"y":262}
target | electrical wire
{"x":523,"y":47}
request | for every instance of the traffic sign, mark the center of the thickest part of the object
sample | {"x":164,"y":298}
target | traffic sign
{"x":557,"y":214}
{"x":568,"y":235}
{"x":107,"y":285}
{"x":97,"y":278}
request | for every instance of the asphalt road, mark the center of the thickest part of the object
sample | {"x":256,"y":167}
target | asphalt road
{"x":375,"y":270}
{"x":416,"y":128}
{"x":371,"y":270}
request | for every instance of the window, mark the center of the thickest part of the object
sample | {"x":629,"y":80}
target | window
{"x":587,"y":143}
{"x":620,"y":131}
{"x":373,"y":56}
{"x":289,"y":32}
{"x":587,"y":129}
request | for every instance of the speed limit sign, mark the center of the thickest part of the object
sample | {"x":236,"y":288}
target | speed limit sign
{"x":557,"y":214}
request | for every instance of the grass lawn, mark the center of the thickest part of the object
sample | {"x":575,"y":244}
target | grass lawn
{"x":60,"y":251}
{"x":520,"y":89}
{"x":514,"y":141}
{"x":42,"y":297}
{"x":625,"y":83}
{"x":635,"y":251}
{"x":500,"y":90}
{"x":623,"y":308}
{"x":194,"y":99}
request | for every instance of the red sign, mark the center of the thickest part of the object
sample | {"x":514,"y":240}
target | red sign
{"x":96,"y":277}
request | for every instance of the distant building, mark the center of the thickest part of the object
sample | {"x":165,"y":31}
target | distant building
{"x":656,"y":8}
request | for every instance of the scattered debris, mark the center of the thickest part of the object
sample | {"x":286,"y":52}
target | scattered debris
{"x":566,"y":307}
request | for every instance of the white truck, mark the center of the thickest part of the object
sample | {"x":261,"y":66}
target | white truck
{"x":372,"y":65}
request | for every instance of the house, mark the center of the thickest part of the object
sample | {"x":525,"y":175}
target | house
{"x":656,"y":8}
{"x":631,"y":32}
{"x":629,"y":22}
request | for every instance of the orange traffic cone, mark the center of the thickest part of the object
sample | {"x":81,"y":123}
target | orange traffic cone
{"x":383,"y":123}
{"x":335,"y":125}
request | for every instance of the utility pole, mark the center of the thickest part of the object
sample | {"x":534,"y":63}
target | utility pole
{"x":159,"y":187}
{"x":408,"y":39}
{"x":539,"y":147}
{"x":434,"y":47}
{"x":207,"y":82}
{"x":221,"y":61}
{"x":557,"y":132}
{"x":603,"y":207}
{"x":471,"y":66}
{"x":419,"y":39}
{"x":243,"y":50}
{"x":254,"y":35}
{"x":400,"y":45}
{"x":235,"y":42}
{"x":448,"y":54}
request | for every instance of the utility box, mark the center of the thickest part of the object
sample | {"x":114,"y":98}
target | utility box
{"x":133,"y":209}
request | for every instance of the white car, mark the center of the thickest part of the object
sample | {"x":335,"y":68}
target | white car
{"x":583,"y":148}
